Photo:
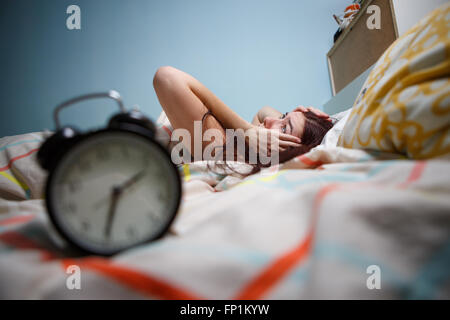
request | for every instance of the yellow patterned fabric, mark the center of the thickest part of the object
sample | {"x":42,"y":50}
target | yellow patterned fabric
{"x":404,"y":105}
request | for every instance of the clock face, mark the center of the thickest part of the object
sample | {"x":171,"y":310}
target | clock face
{"x":113,"y":190}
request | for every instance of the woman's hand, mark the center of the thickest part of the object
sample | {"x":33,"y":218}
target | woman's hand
{"x":265,"y":112}
{"x":317,"y":112}
{"x":269,"y":140}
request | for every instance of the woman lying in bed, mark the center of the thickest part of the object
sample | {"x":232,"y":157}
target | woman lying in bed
{"x":185,"y":100}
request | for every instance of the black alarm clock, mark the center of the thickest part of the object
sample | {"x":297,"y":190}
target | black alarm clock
{"x":109,"y":189}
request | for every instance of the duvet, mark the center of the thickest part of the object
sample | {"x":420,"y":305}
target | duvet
{"x":334,"y":223}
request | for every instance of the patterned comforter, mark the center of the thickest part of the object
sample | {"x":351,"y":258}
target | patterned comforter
{"x":334,"y":223}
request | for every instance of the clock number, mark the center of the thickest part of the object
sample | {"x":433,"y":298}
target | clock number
{"x":84,"y":165}
{"x":86,"y":226}
{"x":145,"y":160}
{"x":69,"y":207}
{"x":125,"y":153}
{"x":74,"y":185}
{"x":154,"y":218}
{"x":131,"y":232}
{"x":162,"y":196}
{"x":160,"y":175}
{"x":102,"y":153}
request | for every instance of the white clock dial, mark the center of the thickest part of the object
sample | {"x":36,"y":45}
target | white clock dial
{"x":114,"y":190}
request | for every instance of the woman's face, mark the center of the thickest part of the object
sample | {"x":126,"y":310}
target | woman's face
{"x":291,"y":123}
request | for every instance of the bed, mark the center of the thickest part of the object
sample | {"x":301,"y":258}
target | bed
{"x":332,"y":214}
{"x":339,"y":222}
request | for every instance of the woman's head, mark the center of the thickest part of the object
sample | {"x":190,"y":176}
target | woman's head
{"x":307,"y":125}
{"x":310,"y":128}
{"x":295,"y":122}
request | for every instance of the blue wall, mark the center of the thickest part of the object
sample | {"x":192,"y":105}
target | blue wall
{"x":250,"y":53}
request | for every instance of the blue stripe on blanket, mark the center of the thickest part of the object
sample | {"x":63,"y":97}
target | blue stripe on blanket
{"x":19,"y":143}
{"x":323,"y":176}
{"x":433,"y":274}
{"x":359,"y":260}
{"x":331,"y":178}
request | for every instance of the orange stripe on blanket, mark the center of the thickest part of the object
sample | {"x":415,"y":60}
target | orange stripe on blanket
{"x":18,"y":241}
{"x":278,"y":269}
{"x":309,"y":162}
{"x":318,"y":200}
{"x":415,"y":174}
{"x":134,"y":279}
{"x":16,"y":220}
{"x":267,"y":279}
{"x":271,"y":275}
{"x":168,"y":131}
{"x":17,"y":158}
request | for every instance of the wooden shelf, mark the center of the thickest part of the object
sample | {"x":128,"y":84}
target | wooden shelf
{"x":358,"y":47}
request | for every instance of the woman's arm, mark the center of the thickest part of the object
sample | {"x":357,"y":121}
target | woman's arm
{"x":265,"y":112}
{"x":185,"y":99}
{"x":227,"y":117}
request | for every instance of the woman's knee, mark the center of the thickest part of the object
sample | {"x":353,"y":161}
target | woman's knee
{"x":165,"y":77}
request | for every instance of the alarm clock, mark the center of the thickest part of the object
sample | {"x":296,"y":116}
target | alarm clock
{"x":109,"y":189}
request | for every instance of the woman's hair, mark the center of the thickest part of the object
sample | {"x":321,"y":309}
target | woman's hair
{"x":314,"y":130}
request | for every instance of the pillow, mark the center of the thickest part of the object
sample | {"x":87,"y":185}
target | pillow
{"x":332,"y":136}
{"x":404,"y":105}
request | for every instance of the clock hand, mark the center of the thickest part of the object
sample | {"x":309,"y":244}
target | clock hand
{"x":128,"y":183}
{"x":132,"y":180}
{"x":115,"y":194}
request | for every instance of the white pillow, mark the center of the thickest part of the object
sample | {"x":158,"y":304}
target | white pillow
{"x":332,"y":136}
